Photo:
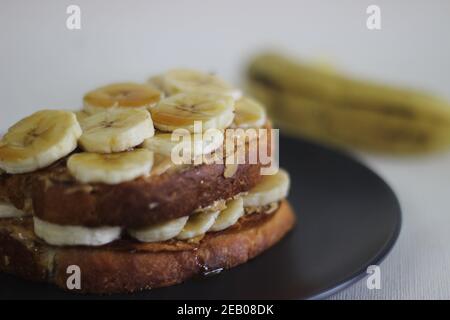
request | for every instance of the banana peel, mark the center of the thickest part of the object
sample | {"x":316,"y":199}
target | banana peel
{"x":332,"y":108}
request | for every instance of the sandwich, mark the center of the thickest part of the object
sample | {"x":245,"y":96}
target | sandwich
{"x":146,"y":186}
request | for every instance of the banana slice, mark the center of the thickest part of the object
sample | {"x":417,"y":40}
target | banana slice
{"x":116,"y":130}
{"x":191,"y":81}
{"x":39,"y":140}
{"x":81,"y":115}
{"x":121,"y":95}
{"x":198,"y":224}
{"x":59,"y":235}
{"x":272,"y":188}
{"x":110,"y":168}
{"x":157,"y":82}
{"x":229,"y":216}
{"x":159,"y":232}
{"x":249,"y":114}
{"x":182,"y":110}
{"x":161,"y":164}
{"x":7,"y":210}
{"x":163,"y":143}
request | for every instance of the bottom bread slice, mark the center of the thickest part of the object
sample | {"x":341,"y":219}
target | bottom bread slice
{"x":128,"y":266}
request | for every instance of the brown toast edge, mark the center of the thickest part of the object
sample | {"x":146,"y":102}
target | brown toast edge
{"x":126,"y":266}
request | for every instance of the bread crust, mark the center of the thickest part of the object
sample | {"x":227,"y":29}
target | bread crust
{"x":128,"y":266}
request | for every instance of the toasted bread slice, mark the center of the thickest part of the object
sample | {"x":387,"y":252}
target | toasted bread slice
{"x":55,"y":196}
{"x":128,"y":266}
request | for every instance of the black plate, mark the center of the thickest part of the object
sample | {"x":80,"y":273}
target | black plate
{"x":348,"y":219}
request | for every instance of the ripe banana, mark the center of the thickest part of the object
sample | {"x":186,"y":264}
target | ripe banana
{"x":123,"y":96}
{"x":159,"y":232}
{"x":9,"y":211}
{"x":331,"y":108}
{"x":110,"y":168}
{"x":229,"y":216}
{"x":272,"y":188}
{"x":180,"y":111}
{"x":198,"y":224}
{"x":116,"y":130}
{"x":164,"y":143}
{"x":60,"y":235}
{"x":191,"y":81}
{"x":249,"y":114}
{"x":38,"y":141}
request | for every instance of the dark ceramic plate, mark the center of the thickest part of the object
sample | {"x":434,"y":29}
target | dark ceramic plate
{"x":348,"y":219}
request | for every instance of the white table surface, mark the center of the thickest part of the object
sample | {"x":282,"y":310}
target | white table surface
{"x":43,"y":64}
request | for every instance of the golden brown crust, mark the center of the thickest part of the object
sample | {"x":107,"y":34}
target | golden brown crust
{"x":128,"y":266}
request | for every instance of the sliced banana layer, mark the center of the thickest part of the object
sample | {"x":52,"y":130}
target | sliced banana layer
{"x":116,"y":130}
{"x":194,"y":145}
{"x":59,"y":235}
{"x":191,"y":81}
{"x":272,"y":188}
{"x":229,"y":216}
{"x":159,"y":232}
{"x":183,"y":228}
{"x":198,"y":225}
{"x":122,"y":95}
{"x":39,"y":140}
{"x":249,"y":113}
{"x":7,"y":210}
{"x":182,"y":110}
{"x":110,"y":168}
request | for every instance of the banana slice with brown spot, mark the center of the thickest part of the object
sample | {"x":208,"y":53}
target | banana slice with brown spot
{"x":38,"y":141}
{"x":182,"y":110}
{"x":127,"y":95}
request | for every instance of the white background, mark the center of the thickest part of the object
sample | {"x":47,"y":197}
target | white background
{"x":44,"y":65}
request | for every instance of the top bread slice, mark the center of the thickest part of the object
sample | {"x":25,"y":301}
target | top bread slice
{"x":55,"y":196}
